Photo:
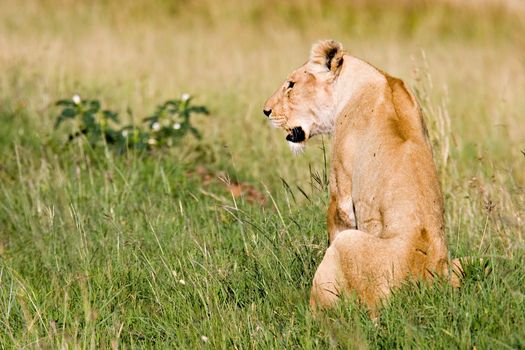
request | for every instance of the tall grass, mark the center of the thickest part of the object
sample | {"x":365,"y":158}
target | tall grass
{"x":99,"y":250}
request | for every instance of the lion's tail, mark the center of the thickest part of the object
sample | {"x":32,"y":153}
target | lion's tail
{"x":459,"y":266}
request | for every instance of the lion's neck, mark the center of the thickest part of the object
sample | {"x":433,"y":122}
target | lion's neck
{"x":367,"y":106}
{"x":356,"y":76}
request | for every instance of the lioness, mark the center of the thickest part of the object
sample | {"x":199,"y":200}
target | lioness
{"x":385,"y":219}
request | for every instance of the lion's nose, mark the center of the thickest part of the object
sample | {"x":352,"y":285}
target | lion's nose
{"x":267,"y":112}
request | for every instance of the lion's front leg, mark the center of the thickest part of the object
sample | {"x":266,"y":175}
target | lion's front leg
{"x":341,"y":216}
{"x":331,"y":219}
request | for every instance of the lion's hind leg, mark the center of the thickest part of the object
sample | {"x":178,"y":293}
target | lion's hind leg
{"x":328,"y":281}
{"x":358,"y":262}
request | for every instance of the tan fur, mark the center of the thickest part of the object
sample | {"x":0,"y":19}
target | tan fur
{"x":385,"y":218}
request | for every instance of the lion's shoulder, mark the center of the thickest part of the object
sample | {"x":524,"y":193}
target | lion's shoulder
{"x":400,"y":93}
{"x":409,"y":122}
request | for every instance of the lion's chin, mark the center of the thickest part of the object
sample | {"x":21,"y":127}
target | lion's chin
{"x":296,"y":147}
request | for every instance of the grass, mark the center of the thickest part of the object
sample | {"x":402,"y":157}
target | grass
{"x":142,"y":251}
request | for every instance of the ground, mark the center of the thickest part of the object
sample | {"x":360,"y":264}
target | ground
{"x":214,"y":243}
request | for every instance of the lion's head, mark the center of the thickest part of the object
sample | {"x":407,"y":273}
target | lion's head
{"x":304,"y":105}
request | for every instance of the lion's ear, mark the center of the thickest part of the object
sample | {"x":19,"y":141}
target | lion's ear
{"x":327,"y":53}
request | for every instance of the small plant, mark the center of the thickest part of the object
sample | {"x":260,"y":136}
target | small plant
{"x":90,"y":120}
{"x":170,"y":122}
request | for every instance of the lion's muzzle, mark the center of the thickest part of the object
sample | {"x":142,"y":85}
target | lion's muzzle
{"x":296,"y":135}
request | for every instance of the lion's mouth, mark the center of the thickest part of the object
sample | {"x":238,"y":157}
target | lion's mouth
{"x":296,"y":135}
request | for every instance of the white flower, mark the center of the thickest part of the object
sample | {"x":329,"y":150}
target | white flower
{"x":155,"y":126}
{"x":176,"y":126}
{"x":125,"y":133}
{"x":185,"y":96}
{"x":183,"y":282}
{"x":76,"y":99}
{"x":152,"y":142}
{"x":204,"y":338}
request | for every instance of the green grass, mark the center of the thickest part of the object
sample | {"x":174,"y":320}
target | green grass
{"x":99,"y":250}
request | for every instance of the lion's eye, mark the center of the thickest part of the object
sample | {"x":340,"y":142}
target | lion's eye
{"x":291,"y":84}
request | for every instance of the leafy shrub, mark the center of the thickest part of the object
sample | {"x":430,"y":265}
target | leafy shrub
{"x":170,"y":122}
